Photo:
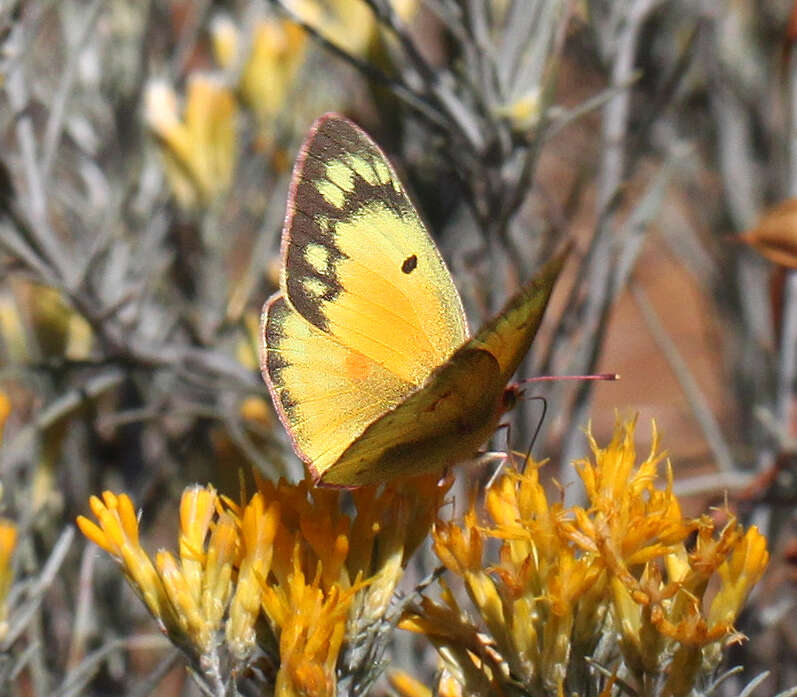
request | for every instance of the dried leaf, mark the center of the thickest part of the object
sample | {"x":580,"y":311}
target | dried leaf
{"x":775,"y":235}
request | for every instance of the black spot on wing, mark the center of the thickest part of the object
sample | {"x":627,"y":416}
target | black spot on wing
{"x":410,"y":263}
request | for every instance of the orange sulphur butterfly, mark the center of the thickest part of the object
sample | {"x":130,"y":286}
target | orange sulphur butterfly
{"x":365,"y":347}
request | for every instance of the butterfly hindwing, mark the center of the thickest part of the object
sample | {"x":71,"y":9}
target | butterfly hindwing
{"x":440,"y":424}
{"x":359,"y":263}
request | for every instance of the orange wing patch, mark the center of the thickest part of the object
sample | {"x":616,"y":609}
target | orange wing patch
{"x":356,"y":366}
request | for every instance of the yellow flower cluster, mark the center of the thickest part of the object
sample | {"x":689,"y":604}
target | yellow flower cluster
{"x":617,"y":585}
{"x":257,"y":70}
{"x":283,"y":583}
{"x":199,"y":149}
{"x":200,"y":146}
{"x":36,"y":323}
{"x":348,"y":24}
{"x":264,"y":65}
{"x":38,"y":326}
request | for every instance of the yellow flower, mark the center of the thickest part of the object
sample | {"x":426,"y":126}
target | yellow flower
{"x":59,"y":330}
{"x":226,"y":41}
{"x":348,"y":24}
{"x":117,"y":534}
{"x":631,"y":521}
{"x":266,"y":72}
{"x":8,"y":542}
{"x":523,"y":112}
{"x":311,"y":624}
{"x":286,"y":580}
{"x":12,"y":332}
{"x":5,"y":410}
{"x":739,"y":572}
{"x":547,"y":582}
{"x":200,"y":584}
{"x":56,"y":330}
{"x":258,"y":529}
{"x":199,"y":152}
{"x":529,"y":600}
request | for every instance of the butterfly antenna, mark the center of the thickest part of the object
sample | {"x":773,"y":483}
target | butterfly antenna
{"x":551,"y":378}
{"x":536,"y":430}
{"x":541,"y":378}
{"x":509,"y":451}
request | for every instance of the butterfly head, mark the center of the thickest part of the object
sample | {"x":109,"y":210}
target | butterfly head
{"x":512,"y":394}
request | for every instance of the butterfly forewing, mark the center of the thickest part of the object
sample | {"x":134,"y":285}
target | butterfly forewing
{"x":367,"y":308}
{"x":325,"y":393}
{"x":359,"y":263}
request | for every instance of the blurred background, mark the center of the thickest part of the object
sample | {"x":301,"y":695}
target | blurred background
{"x":144,"y":169}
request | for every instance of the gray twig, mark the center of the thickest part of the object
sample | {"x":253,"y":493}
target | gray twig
{"x":55,"y":121}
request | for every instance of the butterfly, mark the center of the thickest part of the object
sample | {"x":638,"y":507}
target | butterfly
{"x":365,"y":347}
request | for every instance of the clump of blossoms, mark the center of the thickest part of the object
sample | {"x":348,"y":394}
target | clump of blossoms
{"x":290,"y":594}
{"x":262,"y":65}
{"x":621,"y":593}
{"x":198,"y":146}
{"x":284,"y":591}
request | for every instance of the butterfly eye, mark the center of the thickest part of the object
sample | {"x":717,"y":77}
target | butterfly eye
{"x":510,"y":398}
{"x":409,"y":264}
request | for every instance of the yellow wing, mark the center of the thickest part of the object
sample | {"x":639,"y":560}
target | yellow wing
{"x":358,"y":262}
{"x":325,"y":393}
{"x":438,"y":425}
{"x":459,"y":406}
{"x":367,"y":309}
